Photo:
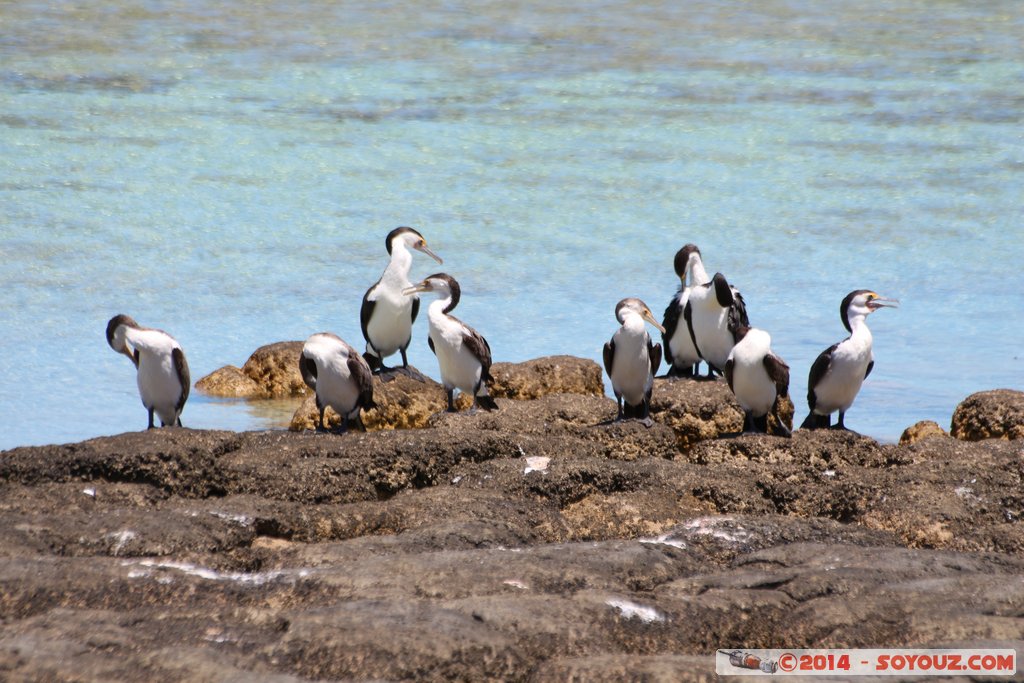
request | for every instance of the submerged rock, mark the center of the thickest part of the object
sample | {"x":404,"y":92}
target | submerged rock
{"x":996,"y":414}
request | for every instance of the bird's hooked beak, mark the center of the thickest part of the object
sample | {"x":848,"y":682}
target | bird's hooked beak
{"x":131,"y":356}
{"x":649,"y":317}
{"x":883,"y":302}
{"x":421,"y":287}
{"x":426,"y":250}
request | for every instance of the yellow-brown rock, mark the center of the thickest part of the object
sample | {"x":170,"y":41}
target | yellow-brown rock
{"x":548,"y":375}
{"x":272,"y":371}
{"x":921,"y":431}
{"x":229,"y":382}
{"x":402,"y":403}
{"x":995,"y":414}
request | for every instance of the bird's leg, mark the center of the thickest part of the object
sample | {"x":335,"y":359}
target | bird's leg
{"x":646,"y":420}
{"x":321,"y":427}
{"x":841,"y":423}
{"x":618,"y":398}
{"x":151,"y":425}
{"x":748,"y":422}
{"x":343,"y":427}
{"x":451,"y":401}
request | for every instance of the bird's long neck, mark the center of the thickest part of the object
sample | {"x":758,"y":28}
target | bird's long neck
{"x":397,"y":272}
{"x":859,"y":329}
{"x":698,"y":276}
{"x":442,"y":306}
{"x":633,"y":324}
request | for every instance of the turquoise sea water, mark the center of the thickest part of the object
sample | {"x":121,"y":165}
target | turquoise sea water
{"x":228,"y":171}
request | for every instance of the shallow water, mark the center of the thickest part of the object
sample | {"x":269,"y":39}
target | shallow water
{"x":228,"y":171}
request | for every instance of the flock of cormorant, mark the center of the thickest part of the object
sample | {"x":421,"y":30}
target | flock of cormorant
{"x":705,"y":321}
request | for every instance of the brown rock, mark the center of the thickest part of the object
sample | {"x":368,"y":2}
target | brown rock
{"x":548,"y":375}
{"x":996,"y":414}
{"x":229,"y":382}
{"x":275,"y":368}
{"x":404,"y":403}
{"x":920,"y":431}
{"x":696,"y":410}
{"x":272,"y":371}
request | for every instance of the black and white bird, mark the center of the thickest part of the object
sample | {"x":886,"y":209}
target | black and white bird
{"x":757,"y":378}
{"x":463,"y":355}
{"x":340,"y":377}
{"x":387,"y":315}
{"x":707,"y":314}
{"x":162,"y":371}
{"x":680,"y":352}
{"x":631,"y":359}
{"x":837,"y":374}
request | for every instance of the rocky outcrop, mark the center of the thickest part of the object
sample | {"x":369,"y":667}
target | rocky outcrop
{"x":539,"y":542}
{"x":699,"y":410}
{"x":405,"y":403}
{"x":272,"y":371}
{"x":544,"y":376}
{"x":996,"y":414}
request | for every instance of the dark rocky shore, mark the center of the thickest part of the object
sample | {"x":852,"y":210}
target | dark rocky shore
{"x":538,"y":543}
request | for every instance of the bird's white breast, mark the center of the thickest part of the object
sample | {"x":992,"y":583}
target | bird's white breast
{"x":631,"y":367}
{"x":838,"y":389}
{"x":460,"y":369}
{"x":710,"y":326}
{"x":683,"y":352}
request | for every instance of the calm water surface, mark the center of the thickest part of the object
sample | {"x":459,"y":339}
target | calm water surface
{"x":228,"y":171}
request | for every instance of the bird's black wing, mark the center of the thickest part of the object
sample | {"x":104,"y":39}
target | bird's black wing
{"x":729,"y":364}
{"x":478,"y":346}
{"x":366,"y":312}
{"x":609,"y":356}
{"x":778,"y":372}
{"x":415,"y":308}
{"x":307,"y":367}
{"x":181,"y":368}
{"x":871,"y":366}
{"x":654,"y":353}
{"x":688,"y":317}
{"x":739,"y":307}
{"x":671,"y":323}
{"x":361,"y":375}
{"x":430,"y":343}
{"x":818,"y":372}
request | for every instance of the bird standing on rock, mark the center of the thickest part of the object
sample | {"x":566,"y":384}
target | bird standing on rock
{"x":463,"y":355}
{"x":340,"y":377}
{"x":757,"y":378}
{"x":163,"y":375}
{"x":837,"y":374}
{"x":680,"y":352}
{"x":631,"y":359}
{"x":387,"y":315}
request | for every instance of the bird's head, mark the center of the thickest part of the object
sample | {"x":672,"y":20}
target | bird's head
{"x":633,"y":306}
{"x":863,"y":302}
{"x":411,"y":239}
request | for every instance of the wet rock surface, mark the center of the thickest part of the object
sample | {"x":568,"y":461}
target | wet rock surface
{"x":541,"y":542}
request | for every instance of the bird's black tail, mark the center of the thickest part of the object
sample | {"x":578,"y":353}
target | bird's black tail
{"x":815,"y":421}
{"x":373,"y":361}
{"x":486,"y":402}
